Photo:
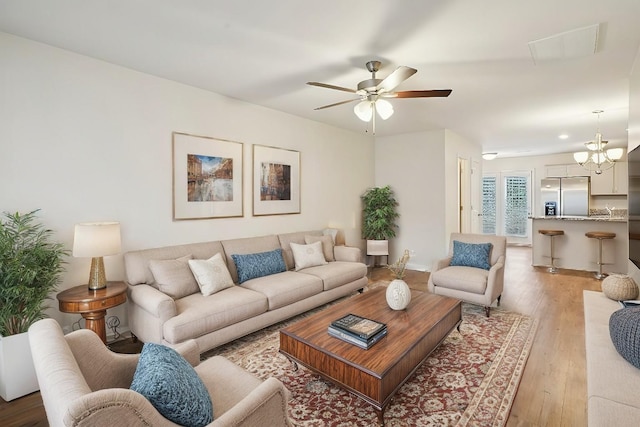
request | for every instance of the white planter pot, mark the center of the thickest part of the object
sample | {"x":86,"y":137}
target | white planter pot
{"x":398,"y":294}
{"x":17,"y":373}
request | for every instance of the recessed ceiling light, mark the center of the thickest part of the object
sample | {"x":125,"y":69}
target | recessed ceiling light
{"x":563,"y":136}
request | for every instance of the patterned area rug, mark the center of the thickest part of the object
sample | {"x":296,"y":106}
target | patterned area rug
{"x":470,"y":380}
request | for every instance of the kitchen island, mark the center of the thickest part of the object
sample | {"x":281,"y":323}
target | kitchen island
{"x":574,"y":250}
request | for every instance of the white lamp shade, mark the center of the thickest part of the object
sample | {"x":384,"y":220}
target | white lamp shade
{"x":581,"y":156}
{"x":615,"y":153}
{"x":96,"y":239}
{"x":384,"y":109}
{"x":363,"y":110}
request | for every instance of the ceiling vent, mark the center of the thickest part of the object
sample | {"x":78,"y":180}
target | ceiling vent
{"x":571,"y":44}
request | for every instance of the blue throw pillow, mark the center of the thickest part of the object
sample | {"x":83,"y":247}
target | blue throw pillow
{"x":250,"y":266}
{"x":172,"y":386}
{"x":624,"y":328}
{"x":471,"y":254}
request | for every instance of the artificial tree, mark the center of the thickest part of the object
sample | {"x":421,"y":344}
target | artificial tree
{"x":30,"y":269}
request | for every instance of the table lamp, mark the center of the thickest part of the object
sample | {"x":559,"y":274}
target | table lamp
{"x":95,"y":240}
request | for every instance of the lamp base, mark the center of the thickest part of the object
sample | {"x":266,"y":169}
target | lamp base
{"x":97,"y":278}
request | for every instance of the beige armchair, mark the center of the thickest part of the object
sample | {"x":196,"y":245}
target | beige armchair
{"x":83,"y":383}
{"x":471,"y":284}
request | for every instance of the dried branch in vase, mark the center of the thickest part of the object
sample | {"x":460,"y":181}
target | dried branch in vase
{"x":399,"y":266}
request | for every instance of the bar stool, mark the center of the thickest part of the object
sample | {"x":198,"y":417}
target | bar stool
{"x":600,"y":235}
{"x":552,"y":234}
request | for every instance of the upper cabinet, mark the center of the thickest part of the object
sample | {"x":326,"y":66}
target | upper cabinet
{"x":561,"y":171}
{"x":612,"y":181}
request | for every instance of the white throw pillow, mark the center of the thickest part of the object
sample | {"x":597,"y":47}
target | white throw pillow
{"x":307,"y":255}
{"x":211,"y":274}
{"x":327,"y":245}
{"x":173,"y":276}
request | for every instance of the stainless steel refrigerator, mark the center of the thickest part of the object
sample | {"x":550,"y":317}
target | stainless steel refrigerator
{"x":565,"y":196}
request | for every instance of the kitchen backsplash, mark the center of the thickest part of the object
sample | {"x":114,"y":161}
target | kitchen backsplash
{"x":617,"y":213}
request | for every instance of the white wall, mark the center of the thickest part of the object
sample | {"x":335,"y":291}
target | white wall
{"x":422,"y":170}
{"x":634,"y":138}
{"x":84,"y":140}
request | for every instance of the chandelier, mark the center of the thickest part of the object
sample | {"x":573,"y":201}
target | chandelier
{"x":597,"y":158}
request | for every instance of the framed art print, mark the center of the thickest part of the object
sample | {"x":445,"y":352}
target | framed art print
{"x":207,"y":177}
{"x":276,"y":181}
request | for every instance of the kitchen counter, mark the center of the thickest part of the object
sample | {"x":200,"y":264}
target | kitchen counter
{"x":574,"y":250}
{"x":605,"y":218}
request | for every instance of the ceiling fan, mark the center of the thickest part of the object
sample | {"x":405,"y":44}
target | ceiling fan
{"x":372,"y":92}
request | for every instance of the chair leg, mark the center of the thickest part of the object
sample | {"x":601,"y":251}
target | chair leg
{"x":486,"y":310}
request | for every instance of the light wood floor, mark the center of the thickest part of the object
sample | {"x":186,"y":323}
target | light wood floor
{"x":553,"y":388}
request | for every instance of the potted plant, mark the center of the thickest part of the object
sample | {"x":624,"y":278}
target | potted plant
{"x":30,"y":269}
{"x":378,"y":222}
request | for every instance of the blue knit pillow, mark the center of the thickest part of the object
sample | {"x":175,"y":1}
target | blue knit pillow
{"x":471,"y":254}
{"x":172,"y":386}
{"x":624,"y":328}
{"x":250,"y":266}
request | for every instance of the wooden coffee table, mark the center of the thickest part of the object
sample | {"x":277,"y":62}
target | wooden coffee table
{"x":376,"y":374}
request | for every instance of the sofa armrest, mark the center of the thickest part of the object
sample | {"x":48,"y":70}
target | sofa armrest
{"x":190,"y":350}
{"x":266,"y":405}
{"x":495,"y":281}
{"x":347,"y":253}
{"x":153,"y":301}
{"x":104,"y":407}
{"x":440,"y":264}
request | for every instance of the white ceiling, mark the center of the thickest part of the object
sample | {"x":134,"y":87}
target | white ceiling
{"x":264,"y":52}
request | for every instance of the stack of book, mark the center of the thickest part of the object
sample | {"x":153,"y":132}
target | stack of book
{"x":357,"y":330}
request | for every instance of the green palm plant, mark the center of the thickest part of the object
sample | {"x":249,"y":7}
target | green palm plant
{"x":379,"y":213}
{"x":30,"y":269}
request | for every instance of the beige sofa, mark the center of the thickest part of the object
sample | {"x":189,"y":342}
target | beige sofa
{"x":83,"y":383}
{"x":241,"y":309}
{"x":612,"y":382}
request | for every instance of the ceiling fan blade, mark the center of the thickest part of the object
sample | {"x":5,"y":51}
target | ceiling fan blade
{"x":328,"y":86}
{"x":400,"y":74}
{"x":337,"y":103}
{"x":438,"y":93}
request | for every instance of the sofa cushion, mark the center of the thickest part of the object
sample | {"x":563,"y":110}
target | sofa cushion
{"x":471,"y":254}
{"x":173,"y":277}
{"x":307,"y":255}
{"x":285,"y":241}
{"x":172,"y":386}
{"x":136,"y":263}
{"x":337,"y":273}
{"x":624,"y":328}
{"x":199,"y":315}
{"x":285,"y":288}
{"x":251,"y":266}
{"x":468,"y":279}
{"x":247,"y":245}
{"x":327,"y":245}
{"x":211,"y":274}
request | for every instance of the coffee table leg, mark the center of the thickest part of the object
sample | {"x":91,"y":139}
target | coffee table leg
{"x":458,"y":326}
{"x":380,"y":414}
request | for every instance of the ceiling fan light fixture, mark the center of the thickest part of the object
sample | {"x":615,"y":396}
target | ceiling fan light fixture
{"x":364,"y":110}
{"x":384,"y":108}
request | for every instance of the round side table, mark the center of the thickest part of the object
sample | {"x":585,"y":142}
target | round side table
{"x":93,"y":305}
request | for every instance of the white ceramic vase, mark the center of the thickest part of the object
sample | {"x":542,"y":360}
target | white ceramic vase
{"x":398,"y":294}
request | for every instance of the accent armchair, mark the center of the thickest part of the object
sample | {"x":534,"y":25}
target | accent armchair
{"x":471,"y":284}
{"x":83,"y":383}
